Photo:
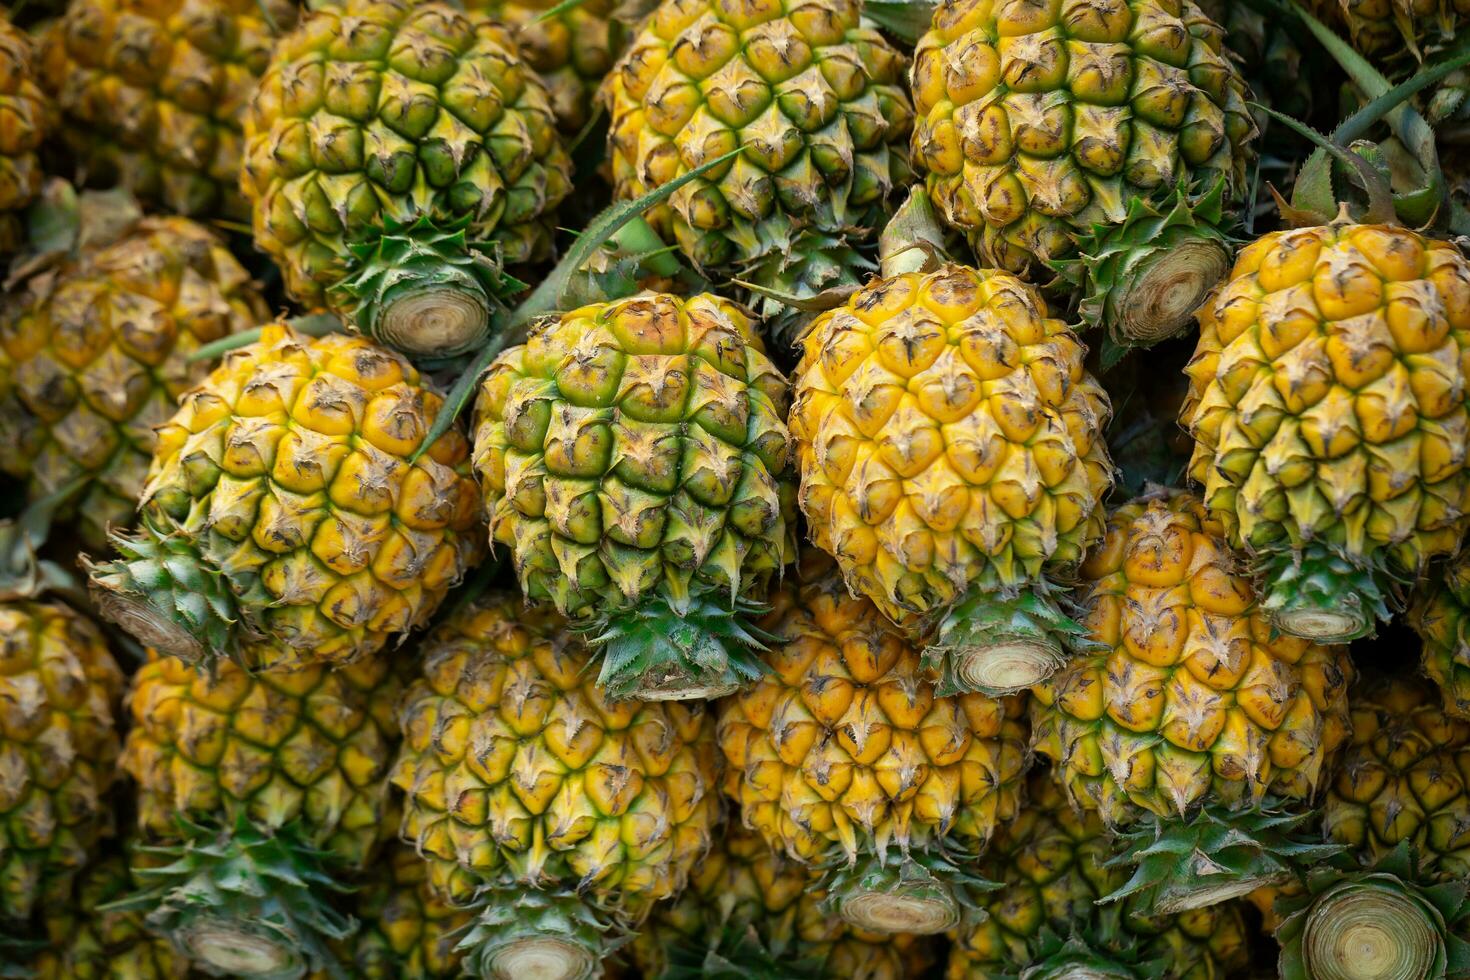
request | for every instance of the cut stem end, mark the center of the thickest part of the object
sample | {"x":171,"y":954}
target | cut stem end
{"x":147,"y":624}
{"x":1162,"y":296}
{"x":1322,"y":625}
{"x":1008,"y":665}
{"x":237,"y":952}
{"x":542,"y":958}
{"x":1369,"y":933}
{"x":435,"y":320}
{"x":918,"y":909}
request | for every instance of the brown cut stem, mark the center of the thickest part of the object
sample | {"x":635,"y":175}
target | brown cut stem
{"x":1361,"y":932}
{"x":436,"y":320}
{"x":542,"y":958}
{"x":150,"y":627}
{"x":235,"y":951}
{"x":1160,"y":299}
{"x":1007,"y":665}
{"x":1321,"y":625}
{"x":917,"y":908}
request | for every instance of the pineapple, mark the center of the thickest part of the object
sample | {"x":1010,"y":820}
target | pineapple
{"x":571,"y":49}
{"x":1105,"y":139}
{"x":1404,"y":777}
{"x":560,"y":815}
{"x":283,"y":523}
{"x":26,"y":119}
{"x":1053,"y":864}
{"x":405,"y":929}
{"x":95,"y":351}
{"x":1439,"y":615}
{"x":844,"y":757}
{"x":88,"y":941}
{"x":396,"y":154}
{"x":152,"y":91}
{"x":952,"y":458}
{"x":1331,"y":417}
{"x":742,"y":887}
{"x":1188,"y":698}
{"x":58,"y":751}
{"x":262,"y":788}
{"x":815,"y":97}
{"x":633,"y":456}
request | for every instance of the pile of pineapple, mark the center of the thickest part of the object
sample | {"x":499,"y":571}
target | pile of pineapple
{"x":734,"y":488}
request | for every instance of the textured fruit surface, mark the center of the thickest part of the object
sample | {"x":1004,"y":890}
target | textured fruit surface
{"x":1037,"y":121}
{"x":1051,"y":864}
{"x":1404,"y":777}
{"x":405,"y":930}
{"x":26,"y":118}
{"x":949,"y":438}
{"x":516,"y":768}
{"x":90,"y":943}
{"x":815,"y":97}
{"x":638,"y":447}
{"x":288,"y":468}
{"x":379,"y":111}
{"x":1388,"y":27}
{"x":58,"y":750}
{"x":1441,"y":616}
{"x":744,"y":885}
{"x":1190,"y":696}
{"x":1328,"y":395}
{"x":844,"y":742}
{"x":309,"y":748}
{"x":572,"y":50}
{"x":153,"y":92}
{"x":94,"y":355}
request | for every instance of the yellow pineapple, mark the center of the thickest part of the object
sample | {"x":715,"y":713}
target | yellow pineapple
{"x":1440,"y":614}
{"x":1330,"y":410}
{"x":844,"y":757}
{"x":283,"y":523}
{"x":558,"y":815}
{"x":1187,"y":698}
{"x":952,"y":460}
{"x":26,"y":119}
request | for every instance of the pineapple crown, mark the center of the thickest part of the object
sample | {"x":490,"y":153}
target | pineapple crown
{"x":679,"y":645}
{"x":545,"y":933}
{"x":1002,"y":641}
{"x":242,"y":900}
{"x":1388,"y":912}
{"x":890,"y":889}
{"x":1325,"y":593}
{"x":1213,"y":855}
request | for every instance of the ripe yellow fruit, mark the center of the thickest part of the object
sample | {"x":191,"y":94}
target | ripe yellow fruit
{"x":1331,"y":415}
{"x":282,"y":522}
{"x":28,"y":119}
{"x":532,"y":795}
{"x":952,"y":457}
{"x":843,"y":753}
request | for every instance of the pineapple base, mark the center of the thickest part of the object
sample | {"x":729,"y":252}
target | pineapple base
{"x":542,"y":958}
{"x":1161,"y":297}
{"x":677,"y":687}
{"x":1010,"y":665}
{"x":147,"y":624}
{"x":1321,"y":594}
{"x":1001,"y":641}
{"x":1199,"y":898}
{"x":920,"y":908}
{"x":236,"y":951}
{"x":1322,"y":625}
{"x":1369,"y":933}
{"x":435,"y":319}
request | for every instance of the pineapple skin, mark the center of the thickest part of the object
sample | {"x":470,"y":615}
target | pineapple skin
{"x":743,"y":883}
{"x":28,"y":118}
{"x":517,"y":770}
{"x":59,"y":747}
{"x":1028,"y":142}
{"x":309,"y":747}
{"x":288,"y":467}
{"x":1328,"y":397}
{"x":87,"y":943}
{"x":1050,"y":861}
{"x":95,"y":355}
{"x":1190,"y":695}
{"x":153,"y":91}
{"x":814,"y":95}
{"x":949,"y":438}
{"x":572,"y":51}
{"x":637,"y":447}
{"x":1440,"y":614}
{"x":845,"y":742}
{"x":375,"y":112}
{"x":1404,"y":777}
